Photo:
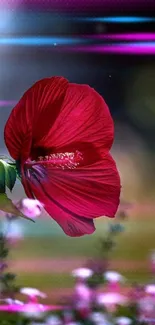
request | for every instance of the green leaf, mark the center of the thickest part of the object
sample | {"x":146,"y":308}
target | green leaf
{"x":7,"y":206}
{"x":10,"y":177}
{"x":9,"y":174}
{"x":2,"y":177}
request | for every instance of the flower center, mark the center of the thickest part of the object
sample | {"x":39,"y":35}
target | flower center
{"x":63,"y":160}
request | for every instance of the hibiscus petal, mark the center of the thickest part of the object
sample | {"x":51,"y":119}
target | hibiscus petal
{"x":75,"y":197}
{"x":84,"y":118}
{"x":55,"y":114}
{"x":33,"y":116}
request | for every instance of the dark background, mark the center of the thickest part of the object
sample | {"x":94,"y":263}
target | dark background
{"x":111,"y":75}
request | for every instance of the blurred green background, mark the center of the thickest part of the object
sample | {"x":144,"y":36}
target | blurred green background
{"x":45,"y":258}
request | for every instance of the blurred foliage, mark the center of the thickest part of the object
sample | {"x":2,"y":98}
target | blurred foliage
{"x":105,"y":246}
{"x":13,"y":319}
{"x":130,"y":311}
{"x":8,"y":287}
{"x":99,"y":265}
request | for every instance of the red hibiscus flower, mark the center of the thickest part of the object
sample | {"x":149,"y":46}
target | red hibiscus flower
{"x":60,"y":134}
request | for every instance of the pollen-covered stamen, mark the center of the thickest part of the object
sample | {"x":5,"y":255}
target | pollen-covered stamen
{"x":63,"y":160}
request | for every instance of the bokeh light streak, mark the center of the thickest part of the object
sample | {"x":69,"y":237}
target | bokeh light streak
{"x":61,"y":43}
{"x":76,"y":5}
{"x":117,"y":20}
{"x":7,"y":103}
{"x":124,"y":37}
{"x":128,"y":48}
{"x":41,"y":41}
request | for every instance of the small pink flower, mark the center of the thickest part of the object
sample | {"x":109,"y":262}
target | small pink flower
{"x":111,"y":299}
{"x":150,"y":289}
{"x":123,"y":321}
{"x":82,"y":273}
{"x":29,"y":207}
{"x":113,"y":277}
{"x":32,"y":293}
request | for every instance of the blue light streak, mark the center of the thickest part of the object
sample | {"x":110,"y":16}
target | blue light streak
{"x":117,"y":19}
{"x":41,"y":41}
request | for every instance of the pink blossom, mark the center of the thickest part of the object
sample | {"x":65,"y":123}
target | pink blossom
{"x":29,"y":207}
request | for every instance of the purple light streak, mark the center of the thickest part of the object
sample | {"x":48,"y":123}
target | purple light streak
{"x":7,"y":103}
{"x":13,"y":308}
{"x":125,"y":37}
{"x":82,"y":5}
{"x":126,"y":49}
